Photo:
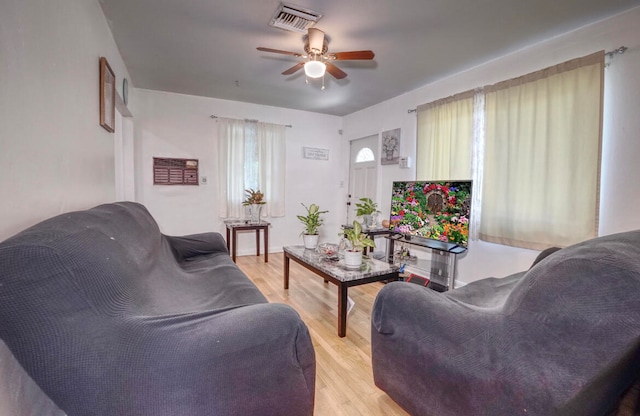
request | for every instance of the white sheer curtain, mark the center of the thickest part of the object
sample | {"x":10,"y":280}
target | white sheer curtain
{"x":542,"y":156}
{"x":477,"y":164}
{"x":250,"y":155}
{"x":449,"y":144}
{"x":272,"y":160}
{"x":444,"y":138}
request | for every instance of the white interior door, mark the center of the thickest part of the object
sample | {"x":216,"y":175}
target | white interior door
{"x":363,"y":172}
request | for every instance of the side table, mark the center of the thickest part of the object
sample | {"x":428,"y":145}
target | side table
{"x":232,"y":233}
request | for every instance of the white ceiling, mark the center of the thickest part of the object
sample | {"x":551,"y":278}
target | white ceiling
{"x":208,"y":47}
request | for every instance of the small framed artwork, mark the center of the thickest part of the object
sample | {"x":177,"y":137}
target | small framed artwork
{"x":390,"y":147}
{"x":107,"y":96}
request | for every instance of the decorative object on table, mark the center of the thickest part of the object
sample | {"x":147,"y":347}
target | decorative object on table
{"x":254,"y":200}
{"x":107,"y":96}
{"x":365,"y":209}
{"x":390,"y":147}
{"x":312,"y":223}
{"x":358,"y":241}
{"x":329,"y":249}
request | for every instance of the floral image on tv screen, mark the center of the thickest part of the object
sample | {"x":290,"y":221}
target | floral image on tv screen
{"x":434,"y":210}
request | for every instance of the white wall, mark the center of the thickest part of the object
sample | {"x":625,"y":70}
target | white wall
{"x":620,"y":189}
{"x":55,"y":157}
{"x":175,"y":125}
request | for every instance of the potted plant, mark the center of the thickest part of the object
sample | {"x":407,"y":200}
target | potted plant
{"x":358,"y":241}
{"x":312,"y":222}
{"x":254,"y":200}
{"x":365,"y":208}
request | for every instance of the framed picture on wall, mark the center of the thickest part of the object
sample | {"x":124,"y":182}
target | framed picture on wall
{"x":390,"y":147}
{"x":107,"y":96}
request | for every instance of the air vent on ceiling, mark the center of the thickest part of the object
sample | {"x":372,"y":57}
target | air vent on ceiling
{"x":294,"y":18}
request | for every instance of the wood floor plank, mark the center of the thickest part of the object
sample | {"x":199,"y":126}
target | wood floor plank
{"x":344,"y":378}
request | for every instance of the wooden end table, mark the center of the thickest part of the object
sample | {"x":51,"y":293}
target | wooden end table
{"x":232,"y":233}
{"x":337,"y":273}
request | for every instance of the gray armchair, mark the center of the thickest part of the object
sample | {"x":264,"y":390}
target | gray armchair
{"x":562,"y":338}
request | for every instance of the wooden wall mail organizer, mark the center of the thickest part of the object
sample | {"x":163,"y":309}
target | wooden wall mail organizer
{"x":172,"y":171}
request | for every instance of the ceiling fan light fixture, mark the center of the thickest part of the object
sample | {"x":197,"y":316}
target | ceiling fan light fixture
{"x":314,"y":69}
{"x":315,"y":37}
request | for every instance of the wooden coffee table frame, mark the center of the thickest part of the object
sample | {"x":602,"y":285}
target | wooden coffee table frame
{"x":342,"y":287}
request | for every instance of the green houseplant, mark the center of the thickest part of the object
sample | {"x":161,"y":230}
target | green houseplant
{"x":358,"y":241}
{"x":312,"y":222}
{"x":254,"y":199}
{"x":365,"y":208}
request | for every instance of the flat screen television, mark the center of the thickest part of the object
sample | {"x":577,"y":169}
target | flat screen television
{"x":435,"y":212}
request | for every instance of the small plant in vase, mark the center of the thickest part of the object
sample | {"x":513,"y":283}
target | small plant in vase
{"x":254,"y":200}
{"x":358,"y":241}
{"x":312,"y":222}
{"x":365,"y":209}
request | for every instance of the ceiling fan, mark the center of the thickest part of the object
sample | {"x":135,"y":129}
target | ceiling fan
{"x":317,"y":60}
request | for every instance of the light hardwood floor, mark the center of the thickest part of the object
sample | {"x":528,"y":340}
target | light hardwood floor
{"x":344,"y":379}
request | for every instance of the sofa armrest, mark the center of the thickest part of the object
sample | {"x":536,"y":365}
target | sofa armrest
{"x":19,"y":394}
{"x":422,"y":342}
{"x":416,"y":312}
{"x":194,"y":245}
{"x":256,"y":359}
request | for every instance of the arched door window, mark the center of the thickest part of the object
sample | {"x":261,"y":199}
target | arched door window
{"x":365,"y":155}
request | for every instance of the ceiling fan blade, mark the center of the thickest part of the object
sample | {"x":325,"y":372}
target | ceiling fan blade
{"x":353,"y":55}
{"x":335,"y":71}
{"x":293,"y":69}
{"x":279,"y":51}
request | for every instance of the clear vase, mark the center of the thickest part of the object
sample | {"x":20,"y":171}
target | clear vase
{"x":254,"y":213}
{"x":366,"y":221}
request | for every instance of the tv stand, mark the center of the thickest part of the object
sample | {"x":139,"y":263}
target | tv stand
{"x":440,"y":270}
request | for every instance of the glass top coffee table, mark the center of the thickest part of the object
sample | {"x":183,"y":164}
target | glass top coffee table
{"x":334,"y":271}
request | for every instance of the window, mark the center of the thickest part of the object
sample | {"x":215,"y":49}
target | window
{"x":365,"y":155}
{"x":539,"y":166}
{"x":169,"y":171}
{"x":251,"y":155}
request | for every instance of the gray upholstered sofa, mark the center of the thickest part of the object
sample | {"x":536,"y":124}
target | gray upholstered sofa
{"x":562,"y":338}
{"x":108,"y":316}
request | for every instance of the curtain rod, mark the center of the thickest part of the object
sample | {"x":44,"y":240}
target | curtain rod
{"x":249,"y":120}
{"x":610,"y":54}
{"x":619,"y":51}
